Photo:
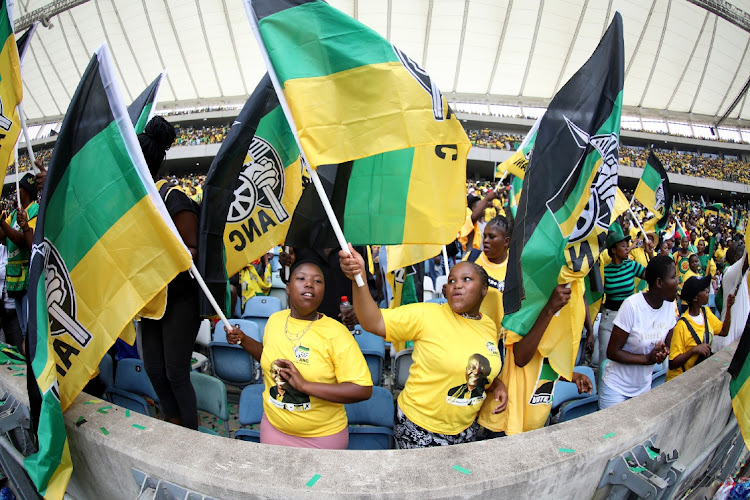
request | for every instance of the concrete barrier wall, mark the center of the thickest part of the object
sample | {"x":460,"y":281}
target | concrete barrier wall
{"x":686,"y":414}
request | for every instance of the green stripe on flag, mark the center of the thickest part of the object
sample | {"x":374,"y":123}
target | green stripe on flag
{"x":51,"y":438}
{"x":324,"y":49}
{"x":275,"y":129}
{"x":92,"y":201}
{"x":735,"y":384}
{"x":140,"y":125}
{"x":5,"y":28}
{"x":651,"y":177}
{"x":377,"y":191}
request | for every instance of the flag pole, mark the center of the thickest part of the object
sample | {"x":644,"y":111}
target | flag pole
{"x":26,"y":137}
{"x":290,"y":119}
{"x":637,"y":222}
{"x":445,"y":261}
{"x":18,"y":188}
{"x":209,"y":295}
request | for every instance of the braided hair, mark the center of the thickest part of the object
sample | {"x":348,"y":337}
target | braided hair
{"x":155,"y":140}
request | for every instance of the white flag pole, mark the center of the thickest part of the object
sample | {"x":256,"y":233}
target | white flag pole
{"x":18,"y":188}
{"x":26,"y":137}
{"x":445,"y":261}
{"x":289,"y":118}
{"x":637,"y":222}
{"x":209,"y":295}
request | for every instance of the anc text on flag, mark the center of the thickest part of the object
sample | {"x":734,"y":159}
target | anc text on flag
{"x":104,"y":246}
{"x":251,"y":190}
{"x":567,"y":201}
{"x":518,"y":162}
{"x":11,"y":90}
{"x":654,"y":193}
{"x":356,"y":97}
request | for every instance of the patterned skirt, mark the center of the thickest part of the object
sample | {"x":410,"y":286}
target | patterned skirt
{"x":410,"y":435}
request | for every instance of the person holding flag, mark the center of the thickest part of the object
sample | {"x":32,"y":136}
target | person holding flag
{"x":168,"y":338}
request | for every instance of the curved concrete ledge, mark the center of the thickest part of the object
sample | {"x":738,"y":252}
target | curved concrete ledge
{"x":530,"y":465}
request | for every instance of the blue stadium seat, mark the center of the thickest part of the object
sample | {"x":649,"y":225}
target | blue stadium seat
{"x":106,"y":371}
{"x":132,"y":386}
{"x":211,"y":395}
{"x":371,"y":422}
{"x":441,"y":300}
{"x":658,"y":378}
{"x":578,"y":408}
{"x":373,"y":348}
{"x":401,"y":364}
{"x":567,"y":391}
{"x":251,"y":412}
{"x":259,"y":308}
{"x":230,"y":362}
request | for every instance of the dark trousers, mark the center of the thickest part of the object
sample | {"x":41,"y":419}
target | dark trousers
{"x":11,"y":328}
{"x":167,"y":351}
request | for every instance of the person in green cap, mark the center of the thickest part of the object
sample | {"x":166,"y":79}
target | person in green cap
{"x":619,"y":284}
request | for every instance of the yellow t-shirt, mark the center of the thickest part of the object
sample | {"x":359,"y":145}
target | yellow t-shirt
{"x":492,"y":305}
{"x":252,"y":284}
{"x":633,"y":232}
{"x":683,"y":341}
{"x":450,"y":351}
{"x":529,"y":392}
{"x":326,"y":353}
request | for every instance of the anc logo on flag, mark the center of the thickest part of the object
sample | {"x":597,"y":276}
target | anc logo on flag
{"x":61,"y":304}
{"x":260,"y":184}
{"x":425,"y":81}
{"x":659,"y":198}
{"x":597,"y":213}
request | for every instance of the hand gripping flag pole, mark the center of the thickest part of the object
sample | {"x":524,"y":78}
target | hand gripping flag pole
{"x":287,"y":112}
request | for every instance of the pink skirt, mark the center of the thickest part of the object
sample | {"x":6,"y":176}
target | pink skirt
{"x":271,"y":435}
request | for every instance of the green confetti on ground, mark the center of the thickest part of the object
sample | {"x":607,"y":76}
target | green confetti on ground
{"x":461,"y":469}
{"x":313,"y":480}
{"x":104,"y":431}
{"x":637,"y":469}
{"x":726,"y":364}
{"x":127,"y":413}
{"x":566,"y":450}
{"x":103,"y":410}
{"x":92,"y":402}
{"x":652,"y":454}
{"x":14,"y":367}
{"x":19,"y":374}
{"x":607,"y":436}
{"x":79,"y":419}
{"x":141,"y":427}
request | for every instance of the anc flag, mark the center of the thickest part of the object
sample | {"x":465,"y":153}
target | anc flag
{"x":739,"y":384}
{"x":654,"y":193}
{"x":518,"y":162}
{"x":568,"y":200}
{"x":357,"y":98}
{"x":104,"y":246}
{"x":11,"y":90}
{"x":516,"y":185}
{"x":23,"y":41}
{"x":142,"y":109}
{"x":250,"y":192}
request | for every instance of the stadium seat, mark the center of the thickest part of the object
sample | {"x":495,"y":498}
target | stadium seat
{"x":371,"y":422}
{"x":211,"y":394}
{"x":578,"y":408}
{"x":658,"y":378}
{"x":106,"y":371}
{"x":439,"y":282}
{"x":230,"y":362}
{"x":259,"y":308}
{"x":437,"y":300}
{"x":567,"y":391}
{"x":401,"y":364}
{"x":278,"y":289}
{"x":131,"y":386}
{"x":428,"y":289}
{"x":251,"y":412}
{"x":373,"y":347}
{"x":237,"y":312}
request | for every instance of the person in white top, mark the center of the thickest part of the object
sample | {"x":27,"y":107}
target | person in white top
{"x":640,"y":336}
{"x":733,"y":277}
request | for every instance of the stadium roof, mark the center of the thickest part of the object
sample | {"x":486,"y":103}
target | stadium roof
{"x":683,"y":61}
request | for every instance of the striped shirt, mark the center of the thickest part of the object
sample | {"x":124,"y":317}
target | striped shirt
{"x":619,"y":281}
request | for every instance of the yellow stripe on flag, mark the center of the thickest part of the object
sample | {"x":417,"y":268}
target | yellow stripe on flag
{"x":345,"y":116}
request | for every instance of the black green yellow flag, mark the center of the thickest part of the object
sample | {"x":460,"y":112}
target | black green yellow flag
{"x":654,"y":193}
{"x":251,"y":190}
{"x":11,"y":90}
{"x":514,"y":195}
{"x":104,"y":246}
{"x":739,"y":384}
{"x":518,"y":162}
{"x":568,"y":200}
{"x":23,"y":41}
{"x":142,"y":109}
{"x":357,"y":98}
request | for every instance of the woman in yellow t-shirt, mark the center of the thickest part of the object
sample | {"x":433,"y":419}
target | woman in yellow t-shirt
{"x":456,"y":356}
{"x":311,"y":366}
{"x":694,"y":331}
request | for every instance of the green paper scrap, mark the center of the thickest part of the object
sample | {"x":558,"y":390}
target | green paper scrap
{"x":102,"y":410}
{"x":104,"y":431}
{"x":92,"y":402}
{"x":637,"y":469}
{"x":651,"y":453}
{"x":313,"y":480}
{"x":106,"y":408}
{"x":726,"y":364}
{"x":79,"y":419}
{"x":19,"y":374}
{"x":141,"y":427}
{"x":566,"y":450}
{"x":127,"y":413}
{"x":461,"y":470}
{"x":14,"y":367}
{"x":607,"y":436}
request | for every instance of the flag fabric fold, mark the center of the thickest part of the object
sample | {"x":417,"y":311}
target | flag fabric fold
{"x":739,"y":384}
{"x":519,"y":161}
{"x":654,"y":193}
{"x":11,"y":89}
{"x":568,"y":199}
{"x":142,"y":108}
{"x":360,"y":103}
{"x":104,"y":246}
{"x":251,"y":191}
